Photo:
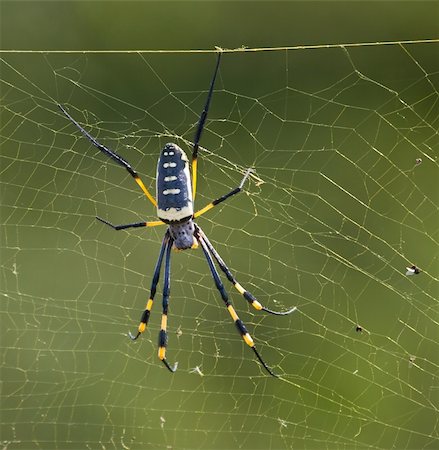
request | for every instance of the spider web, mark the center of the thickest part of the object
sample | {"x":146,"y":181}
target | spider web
{"x":344,"y":196}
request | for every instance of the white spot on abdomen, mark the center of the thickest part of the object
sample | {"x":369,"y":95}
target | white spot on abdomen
{"x":171,"y":191}
{"x":171,"y":164}
{"x":171,"y":178}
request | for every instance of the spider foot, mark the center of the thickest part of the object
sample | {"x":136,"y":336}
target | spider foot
{"x":248,"y":172}
{"x":254,"y":302}
{"x":132,"y":337}
{"x":172,"y":368}
{"x":279,"y":313}
{"x":264,"y":364}
{"x":107,"y":223}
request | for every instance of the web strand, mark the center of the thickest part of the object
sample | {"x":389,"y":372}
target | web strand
{"x":342,"y":198}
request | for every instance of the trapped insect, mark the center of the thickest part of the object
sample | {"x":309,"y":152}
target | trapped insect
{"x":175,"y":198}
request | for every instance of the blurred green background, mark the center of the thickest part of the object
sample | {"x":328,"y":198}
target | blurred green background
{"x":336,"y":210}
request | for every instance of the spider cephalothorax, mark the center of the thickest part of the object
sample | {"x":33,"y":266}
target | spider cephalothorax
{"x":175,"y":198}
{"x":183,"y":235}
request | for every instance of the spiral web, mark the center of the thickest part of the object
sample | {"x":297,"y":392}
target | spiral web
{"x":343,"y":141}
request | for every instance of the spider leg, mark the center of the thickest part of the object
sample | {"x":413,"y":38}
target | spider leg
{"x":247,"y":295}
{"x":225,"y":196}
{"x":113,"y":155}
{"x":163,"y":335}
{"x":155,"y":279}
{"x":200,"y":128}
{"x":131,"y":225}
{"x":238,"y":322}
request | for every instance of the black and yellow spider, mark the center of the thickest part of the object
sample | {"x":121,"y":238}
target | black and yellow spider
{"x":175,"y":197}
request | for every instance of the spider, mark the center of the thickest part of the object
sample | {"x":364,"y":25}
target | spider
{"x":175,"y":199}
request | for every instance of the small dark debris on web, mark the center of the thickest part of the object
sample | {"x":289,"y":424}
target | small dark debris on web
{"x":413,"y":270}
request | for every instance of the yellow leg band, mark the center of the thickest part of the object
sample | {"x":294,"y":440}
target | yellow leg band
{"x":146,"y":192}
{"x":203,"y":210}
{"x":162,"y":352}
{"x":142,"y":327}
{"x":155,"y":223}
{"x":233,"y":313}
{"x":164,"y":322}
{"x":256,"y":305}
{"x":194,"y":178}
{"x":240,"y":289}
{"x":149,"y":304}
{"x":248,"y":340}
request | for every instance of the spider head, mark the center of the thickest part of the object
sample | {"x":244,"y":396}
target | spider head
{"x":183,"y":235}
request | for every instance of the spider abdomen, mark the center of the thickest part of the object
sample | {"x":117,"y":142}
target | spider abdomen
{"x":174,"y":188}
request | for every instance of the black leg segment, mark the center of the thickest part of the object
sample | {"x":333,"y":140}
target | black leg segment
{"x":225,"y":196}
{"x":238,"y":322}
{"x":163,"y":334}
{"x":251,"y":299}
{"x":113,"y":155}
{"x":155,"y":279}
{"x":131,"y":225}
{"x":200,"y":126}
